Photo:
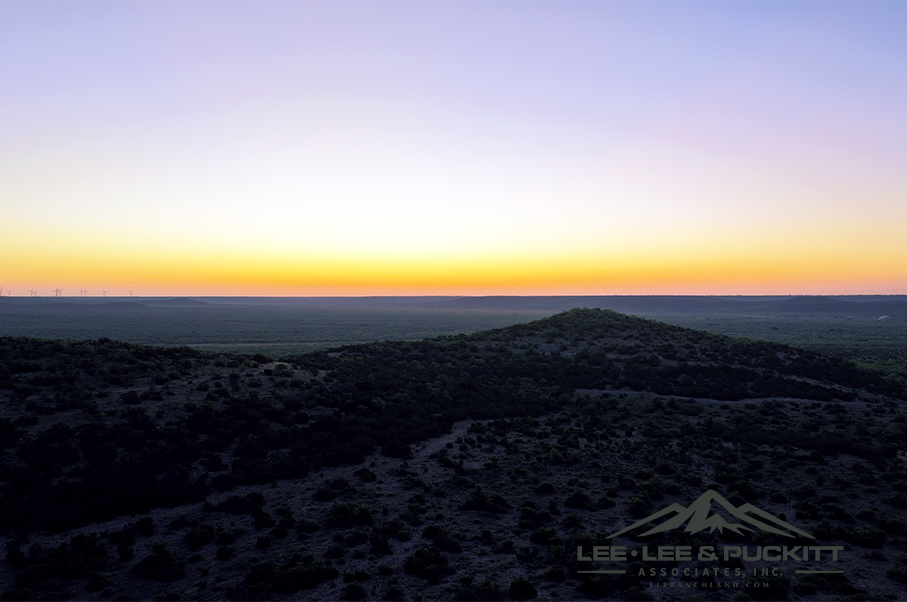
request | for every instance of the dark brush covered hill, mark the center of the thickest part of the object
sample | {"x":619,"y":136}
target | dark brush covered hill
{"x":140,"y":472}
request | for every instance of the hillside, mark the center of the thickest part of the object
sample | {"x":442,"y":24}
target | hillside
{"x":461,"y":467}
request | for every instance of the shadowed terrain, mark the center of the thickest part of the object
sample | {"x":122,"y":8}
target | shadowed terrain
{"x":461,"y":467}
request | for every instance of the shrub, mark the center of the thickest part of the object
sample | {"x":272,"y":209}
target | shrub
{"x":145,"y":525}
{"x":544,"y":488}
{"x":307,"y":526}
{"x":397,"y":449}
{"x":521,"y":589}
{"x":324,"y":494}
{"x":638,"y":507}
{"x":365,"y":474}
{"x":199,"y":536}
{"x":250,"y":503}
{"x":479,"y":499}
{"x":225,"y":537}
{"x":305,"y":573}
{"x":543,"y":536}
{"x":605,"y":502}
{"x":486,"y":590}
{"x":356,"y":576}
{"x":428,"y":563}
{"x":441,"y":538}
{"x":866,"y":537}
{"x":160,"y":564}
{"x":393,"y":591}
{"x":347,"y":515}
{"x":571,"y":520}
{"x":353,"y":591}
{"x":264,"y":520}
{"x":578,"y":499}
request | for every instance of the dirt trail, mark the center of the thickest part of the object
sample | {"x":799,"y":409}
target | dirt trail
{"x":421,"y":451}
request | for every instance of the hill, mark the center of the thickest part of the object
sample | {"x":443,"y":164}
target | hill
{"x":461,"y":467}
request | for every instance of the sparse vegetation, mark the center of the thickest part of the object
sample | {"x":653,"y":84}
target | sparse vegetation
{"x":463,"y":467}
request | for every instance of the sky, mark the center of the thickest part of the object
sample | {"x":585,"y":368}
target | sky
{"x":452,"y":148}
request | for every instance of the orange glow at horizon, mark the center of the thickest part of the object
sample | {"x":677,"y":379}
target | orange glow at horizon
{"x":196,"y":272}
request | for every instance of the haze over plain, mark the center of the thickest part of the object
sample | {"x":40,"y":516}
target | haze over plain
{"x":453,"y":148}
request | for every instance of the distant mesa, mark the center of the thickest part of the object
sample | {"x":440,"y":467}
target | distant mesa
{"x":700,"y":517}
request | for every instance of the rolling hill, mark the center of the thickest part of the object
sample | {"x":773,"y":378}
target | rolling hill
{"x":460,"y":467}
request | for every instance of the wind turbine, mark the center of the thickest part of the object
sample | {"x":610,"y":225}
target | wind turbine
{"x":57,"y":292}
{"x":33,"y":292}
{"x":81,"y":293}
{"x":130,"y":293}
{"x":104,"y":293}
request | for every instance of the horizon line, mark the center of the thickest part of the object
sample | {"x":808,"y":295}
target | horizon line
{"x":466,"y":296}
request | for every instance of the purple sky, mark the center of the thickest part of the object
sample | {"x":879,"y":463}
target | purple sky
{"x":634,"y":146}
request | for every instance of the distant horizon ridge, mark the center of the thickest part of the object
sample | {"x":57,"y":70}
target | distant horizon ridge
{"x":466,"y":296}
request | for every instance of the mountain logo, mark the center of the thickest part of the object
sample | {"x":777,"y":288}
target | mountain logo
{"x":701,"y":517}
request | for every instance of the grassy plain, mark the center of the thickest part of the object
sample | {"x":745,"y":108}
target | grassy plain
{"x":849,"y":327}
{"x":274,"y":329}
{"x":873,"y":343}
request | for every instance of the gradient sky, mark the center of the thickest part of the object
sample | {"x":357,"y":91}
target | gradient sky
{"x":314,"y":148}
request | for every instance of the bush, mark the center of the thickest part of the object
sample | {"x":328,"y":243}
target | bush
{"x":264,"y":520}
{"x":486,"y":590}
{"x":866,"y":537}
{"x":605,"y":502}
{"x":225,"y":537}
{"x":578,"y":499}
{"x":356,"y":576}
{"x":428,"y":563}
{"x":199,"y":536}
{"x":441,"y":538}
{"x":366,"y":475}
{"x":479,"y":499}
{"x":544,"y":488}
{"x":160,"y":564}
{"x":145,"y":525}
{"x":639,"y":507}
{"x":543,"y":536}
{"x":393,"y":591}
{"x":324,"y":494}
{"x":306,"y":573}
{"x":353,"y":591}
{"x":521,"y":589}
{"x":397,"y":449}
{"x":251,"y":503}
{"x":307,"y":526}
{"x":345,"y":514}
